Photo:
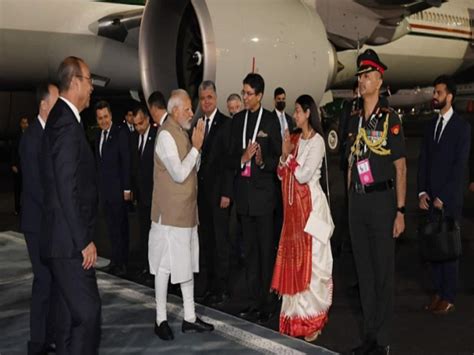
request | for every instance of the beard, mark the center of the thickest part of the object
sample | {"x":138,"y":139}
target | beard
{"x":186,"y":125}
{"x":438,"y":105}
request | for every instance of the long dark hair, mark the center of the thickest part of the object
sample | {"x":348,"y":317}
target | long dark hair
{"x":307,"y":103}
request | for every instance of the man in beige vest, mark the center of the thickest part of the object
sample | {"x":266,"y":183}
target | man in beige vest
{"x":173,"y":247}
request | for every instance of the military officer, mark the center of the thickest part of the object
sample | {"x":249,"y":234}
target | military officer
{"x":377,"y":188}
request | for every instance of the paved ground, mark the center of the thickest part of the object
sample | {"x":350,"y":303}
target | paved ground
{"x":415,"y":332}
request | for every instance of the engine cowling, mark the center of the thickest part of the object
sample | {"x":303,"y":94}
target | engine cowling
{"x":183,"y":42}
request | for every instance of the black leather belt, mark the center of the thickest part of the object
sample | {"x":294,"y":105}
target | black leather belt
{"x":367,"y":189}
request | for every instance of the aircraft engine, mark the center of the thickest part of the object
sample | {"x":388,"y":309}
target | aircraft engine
{"x":183,"y":42}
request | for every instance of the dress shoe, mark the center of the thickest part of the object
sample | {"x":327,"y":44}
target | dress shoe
{"x":264,"y":317}
{"x":250,"y":314}
{"x":433,"y":304}
{"x":365,"y":348}
{"x":50,"y":348}
{"x":443,"y":308}
{"x":381,"y":350}
{"x":164,"y":331}
{"x":119,"y":271}
{"x":198,"y":326}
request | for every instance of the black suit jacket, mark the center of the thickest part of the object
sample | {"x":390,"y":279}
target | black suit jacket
{"x":69,"y":185}
{"x":255,"y":195}
{"x":441,"y":168}
{"x":142,"y":167}
{"x":32,"y":193}
{"x":289,"y":121}
{"x":213,"y":171}
{"x":113,"y":166}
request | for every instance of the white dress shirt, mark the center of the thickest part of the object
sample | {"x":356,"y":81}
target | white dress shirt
{"x":162,"y":119}
{"x":73,"y":108}
{"x":283,"y":122}
{"x":145,"y":137}
{"x":211,"y":119}
{"x":42,"y":122}
{"x":446,"y":117}
{"x":102,"y":139}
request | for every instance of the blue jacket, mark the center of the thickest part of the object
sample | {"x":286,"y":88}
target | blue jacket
{"x":441,"y":168}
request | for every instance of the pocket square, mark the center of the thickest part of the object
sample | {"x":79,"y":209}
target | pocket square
{"x":262,"y":134}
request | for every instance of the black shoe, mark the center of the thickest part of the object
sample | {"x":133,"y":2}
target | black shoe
{"x":366,"y":348}
{"x":250,"y":314}
{"x":119,"y":271}
{"x":381,"y":350}
{"x":198,"y":326}
{"x":265,"y":317}
{"x":164,"y":331}
{"x":50,"y":348}
{"x":218,"y":299}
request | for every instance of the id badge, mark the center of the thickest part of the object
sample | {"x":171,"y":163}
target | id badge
{"x":247,"y":171}
{"x":365,"y":173}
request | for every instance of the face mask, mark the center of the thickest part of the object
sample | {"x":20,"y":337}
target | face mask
{"x":280,"y":105}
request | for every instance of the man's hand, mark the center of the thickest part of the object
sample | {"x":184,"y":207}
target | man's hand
{"x":424,"y":200}
{"x":127,"y":195}
{"x":438,"y":204}
{"x":399,"y":225}
{"x":249,"y":152}
{"x":198,"y":135}
{"x":258,"y":156}
{"x":471,"y":187}
{"x":15,"y":169}
{"x":89,"y":255}
{"x":225,"y":202}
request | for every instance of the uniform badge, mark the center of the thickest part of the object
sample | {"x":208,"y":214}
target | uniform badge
{"x":395,"y":129}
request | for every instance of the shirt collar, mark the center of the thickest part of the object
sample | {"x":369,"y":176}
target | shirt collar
{"x":73,"y":108}
{"x":211,"y":117}
{"x":280,"y":113}
{"x":162,"y":119}
{"x":43,"y":123}
{"x":447,"y":116}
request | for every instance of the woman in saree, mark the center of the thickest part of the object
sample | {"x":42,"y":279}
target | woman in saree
{"x":303,"y":268}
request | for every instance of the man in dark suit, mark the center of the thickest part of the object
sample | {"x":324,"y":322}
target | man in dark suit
{"x":214,"y":197}
{"x":443,"y":159}
{"x":69,"y":209}
{"x":16,"y":165}
{"x":255,"y":150}
{"x":157,"y":105}
{"x":143,"y":148}
{"x":286,"y":123}
{"x":41,"y":319}
{"x":112,"y":152}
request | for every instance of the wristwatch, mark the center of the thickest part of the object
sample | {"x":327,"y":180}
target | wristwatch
{"x":401,"y":210}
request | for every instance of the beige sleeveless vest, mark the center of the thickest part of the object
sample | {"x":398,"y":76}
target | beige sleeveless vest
{"x":175,"y":203}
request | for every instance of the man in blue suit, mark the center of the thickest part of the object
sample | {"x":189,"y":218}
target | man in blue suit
{"x":41,"y":322}
{"x":443,"y":159}
{"x":112,"y":152}
{"x":69,"y":210}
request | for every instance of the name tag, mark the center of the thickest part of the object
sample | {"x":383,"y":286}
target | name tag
{"x":247,"y":172}
{"x":365,"y":172}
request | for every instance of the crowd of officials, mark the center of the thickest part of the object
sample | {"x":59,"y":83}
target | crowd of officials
{"x":188,"y":177}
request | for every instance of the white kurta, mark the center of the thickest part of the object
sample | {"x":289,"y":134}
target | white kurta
{"x":317,"y":299}
{"x":174,"y":249}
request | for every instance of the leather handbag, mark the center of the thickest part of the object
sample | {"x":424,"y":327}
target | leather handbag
{"x":439,"y":238}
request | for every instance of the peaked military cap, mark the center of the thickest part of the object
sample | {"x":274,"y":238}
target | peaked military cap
{"x":369,"y":61}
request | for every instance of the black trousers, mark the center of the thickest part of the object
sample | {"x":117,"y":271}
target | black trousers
{"x":371,"y":218}
{"x":43,"y":300}
{"x":445,"y":278}
{"x":116,"y":218}
{"x":214,"y":244}
{"x":17,"y":187}
{"x":79,"y":316}
{"x":259,"y":255}
{"x":144,"y":217}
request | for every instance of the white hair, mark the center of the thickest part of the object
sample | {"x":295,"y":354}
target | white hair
{"x":177,"y":98}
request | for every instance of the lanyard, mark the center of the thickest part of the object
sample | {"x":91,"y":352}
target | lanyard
{"x":257,"y":125}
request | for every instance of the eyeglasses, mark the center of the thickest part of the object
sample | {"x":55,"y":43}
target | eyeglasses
{"x":88,"y":78}
{"x":246,"y":93}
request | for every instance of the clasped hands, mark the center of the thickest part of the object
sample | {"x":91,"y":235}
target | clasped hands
{"x":253,"y":149}
{"x":424,"y":200}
